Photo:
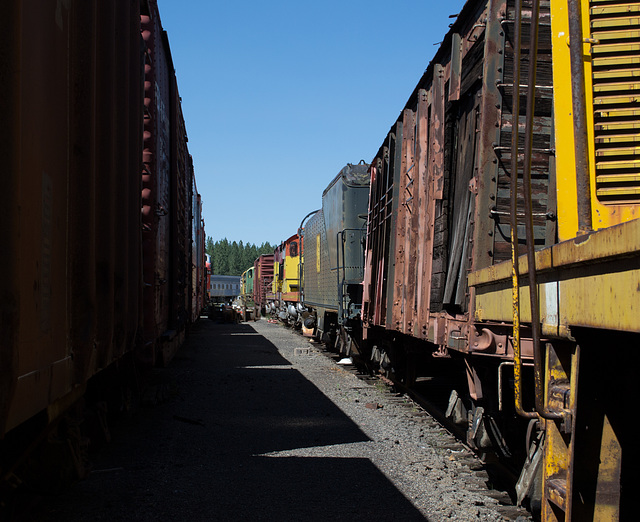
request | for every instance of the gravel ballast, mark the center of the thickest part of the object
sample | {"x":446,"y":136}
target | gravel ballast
{"x":254,"y":422}
{"x":421,"y":459}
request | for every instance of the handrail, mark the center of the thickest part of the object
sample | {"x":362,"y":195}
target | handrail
{"x":341,"y":283}
{"x":578,"y":98}
{"x":515,"y":125}
{"x":541,"y":407}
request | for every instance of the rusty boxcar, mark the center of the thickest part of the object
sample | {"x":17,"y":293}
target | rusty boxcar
{"x":439,"y":209}
{"x":439,"y":190}
{"x":262,"y":279}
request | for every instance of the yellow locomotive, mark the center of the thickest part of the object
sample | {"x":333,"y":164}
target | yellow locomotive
{"x":285,"y":286}
{"x":584,"y":316}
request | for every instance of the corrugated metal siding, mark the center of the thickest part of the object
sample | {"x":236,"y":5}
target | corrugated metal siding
{"x":320,"y":283}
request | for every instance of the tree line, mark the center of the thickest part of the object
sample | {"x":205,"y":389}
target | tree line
{"x":233,"y":258}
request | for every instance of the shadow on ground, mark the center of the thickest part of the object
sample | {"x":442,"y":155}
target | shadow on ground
{"x":200,"y":454}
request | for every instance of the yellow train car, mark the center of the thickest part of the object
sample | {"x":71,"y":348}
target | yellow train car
{"x":581,"y":325}
{"x":286,"y":280}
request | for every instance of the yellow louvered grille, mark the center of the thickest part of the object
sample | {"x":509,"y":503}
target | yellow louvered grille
{"x":615,"y":26}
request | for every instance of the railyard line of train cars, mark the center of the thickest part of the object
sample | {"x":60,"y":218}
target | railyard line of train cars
{"x":102,"y":266}
{"x":502,"y":173}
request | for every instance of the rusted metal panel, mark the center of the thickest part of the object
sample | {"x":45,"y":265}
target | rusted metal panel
{"x":380,"y":213}
{"x":404,"y":290}
{"x":437,"y":176}
{"x":411,"y":194}
{"x":395,"y":263}
{"x":375,"y":269}
{"x":424,"y":215}
{"x":436,"y":168}
{"x":428,"y":248}
{"x":452,"y":130}
{"x":134,"y":184}
{"x":456,"y":67}
{"x":368,"y":291}
{"x":181,"y":198}
{"x":490,"y":126}
{"x":149,"y":193}
{"x":121,"y":169}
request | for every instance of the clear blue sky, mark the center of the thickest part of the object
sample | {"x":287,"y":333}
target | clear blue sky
{"x":278,"y":96}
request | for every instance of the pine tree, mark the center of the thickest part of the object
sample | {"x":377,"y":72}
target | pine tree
{"x":235,"y":257}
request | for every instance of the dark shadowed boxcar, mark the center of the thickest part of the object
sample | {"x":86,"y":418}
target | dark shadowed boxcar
{"x":80,"y":96}
{"x":71,"y":144}
{"x":199,"y":269}
{"x":167,"y":198}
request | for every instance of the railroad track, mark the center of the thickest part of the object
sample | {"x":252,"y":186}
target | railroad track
{"x":489,"y":475}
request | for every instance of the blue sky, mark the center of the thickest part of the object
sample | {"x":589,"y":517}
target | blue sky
{"x":278,"y":96}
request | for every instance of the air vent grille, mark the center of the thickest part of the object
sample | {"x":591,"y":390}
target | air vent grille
{"x":615,"y":28}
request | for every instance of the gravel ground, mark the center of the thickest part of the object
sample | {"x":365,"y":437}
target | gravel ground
{"x":254,"y":422}
{"x":420,"y":458}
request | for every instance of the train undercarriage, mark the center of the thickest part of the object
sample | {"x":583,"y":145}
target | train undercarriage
{"x":473,"y":395}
